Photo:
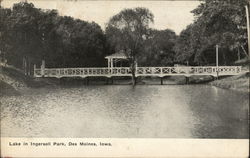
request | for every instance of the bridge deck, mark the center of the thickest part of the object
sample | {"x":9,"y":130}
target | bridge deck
{"x":140,"y":71}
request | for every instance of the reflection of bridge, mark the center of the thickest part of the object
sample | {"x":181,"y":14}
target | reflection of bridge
{"x":140,"y":71}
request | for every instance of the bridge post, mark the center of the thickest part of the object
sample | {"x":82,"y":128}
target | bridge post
{"x":217,"y":74}
{"x":107,"y":80}
{"x":112,"y":80}
{"x":161,"y":80}
{"x":187,"y":80}
{"x":87,"y":81}
{"x":61,"y":81}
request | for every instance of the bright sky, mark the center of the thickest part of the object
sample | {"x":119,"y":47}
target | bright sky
{"x":173,"y":15}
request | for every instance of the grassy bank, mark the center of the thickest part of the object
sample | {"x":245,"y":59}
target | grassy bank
{"x":13,"y":81}
{"x":237,"y":83}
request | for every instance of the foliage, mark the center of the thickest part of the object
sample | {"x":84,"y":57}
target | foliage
{"x":158,"y":48}
{"x":128,"y":30}
{"x":34,"y":34}
{"x":223,"y":20}
{"x":217,"y":22}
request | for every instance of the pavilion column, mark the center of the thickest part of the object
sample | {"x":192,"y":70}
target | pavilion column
{"x":112,"y":63}
{"x":108,"y":63}
{"x":109,"y":66}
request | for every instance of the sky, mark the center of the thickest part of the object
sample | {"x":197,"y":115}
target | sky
{"x":174,"y":15}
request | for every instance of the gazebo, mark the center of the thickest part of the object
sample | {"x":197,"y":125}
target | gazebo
{"x":116,"y":57}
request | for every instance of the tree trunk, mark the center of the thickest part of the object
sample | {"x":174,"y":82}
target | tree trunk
{"x":244,"y":51}
{"x":24,"y":66}
{"x":238,"y":50}
{"x":224,"y":58}
{"x":133,"y":73}
{"x":133,"y":69}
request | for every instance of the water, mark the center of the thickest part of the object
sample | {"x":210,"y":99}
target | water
{"x":147,"y":111}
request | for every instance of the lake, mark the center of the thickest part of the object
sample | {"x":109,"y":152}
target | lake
{"x":121,"y":111}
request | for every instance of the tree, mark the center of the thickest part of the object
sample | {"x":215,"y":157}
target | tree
{"x":222,"y":22}
{"x":183,"y":49}
{"x":32,"y":34}
{"x":158,"y":48}
{"x":127,"y":31}
{"x":217,"y":22}
{"x":24,"y":34}
{"x":4,"y":31}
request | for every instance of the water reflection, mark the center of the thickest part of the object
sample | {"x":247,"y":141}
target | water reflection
{"x":195,"y":111}
{"x":215,"y":92}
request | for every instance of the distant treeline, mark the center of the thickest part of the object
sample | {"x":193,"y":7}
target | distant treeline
{"x":31,"y":34}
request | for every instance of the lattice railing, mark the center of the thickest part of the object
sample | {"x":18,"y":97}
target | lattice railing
{"x":140,"y":71}
{"x":188,"y":70}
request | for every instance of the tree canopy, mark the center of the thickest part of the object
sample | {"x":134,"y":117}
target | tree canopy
{"x":159,"y":48}
{"x":34,"y":34}
{"x":129,"y":29}
{"x":217,"y":22}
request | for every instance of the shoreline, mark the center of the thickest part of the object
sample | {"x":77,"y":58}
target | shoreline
{"x":13,"y":81}
{"x":239,"y":83}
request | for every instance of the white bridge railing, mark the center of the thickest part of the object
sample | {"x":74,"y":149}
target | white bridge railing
{"x":140,"y":71}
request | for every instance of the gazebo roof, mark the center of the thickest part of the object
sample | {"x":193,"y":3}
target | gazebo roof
{"x":118,"y":55}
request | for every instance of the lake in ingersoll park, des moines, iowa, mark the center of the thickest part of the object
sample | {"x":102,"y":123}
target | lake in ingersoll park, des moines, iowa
{"x":45,"y":43}
{"x":121,"y":111}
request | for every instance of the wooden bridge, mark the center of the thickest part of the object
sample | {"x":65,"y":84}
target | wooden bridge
{"x":140,"y":71}
{"x":112,"y":70}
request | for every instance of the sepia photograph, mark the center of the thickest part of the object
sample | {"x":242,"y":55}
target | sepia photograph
{"x":116,"y":69}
